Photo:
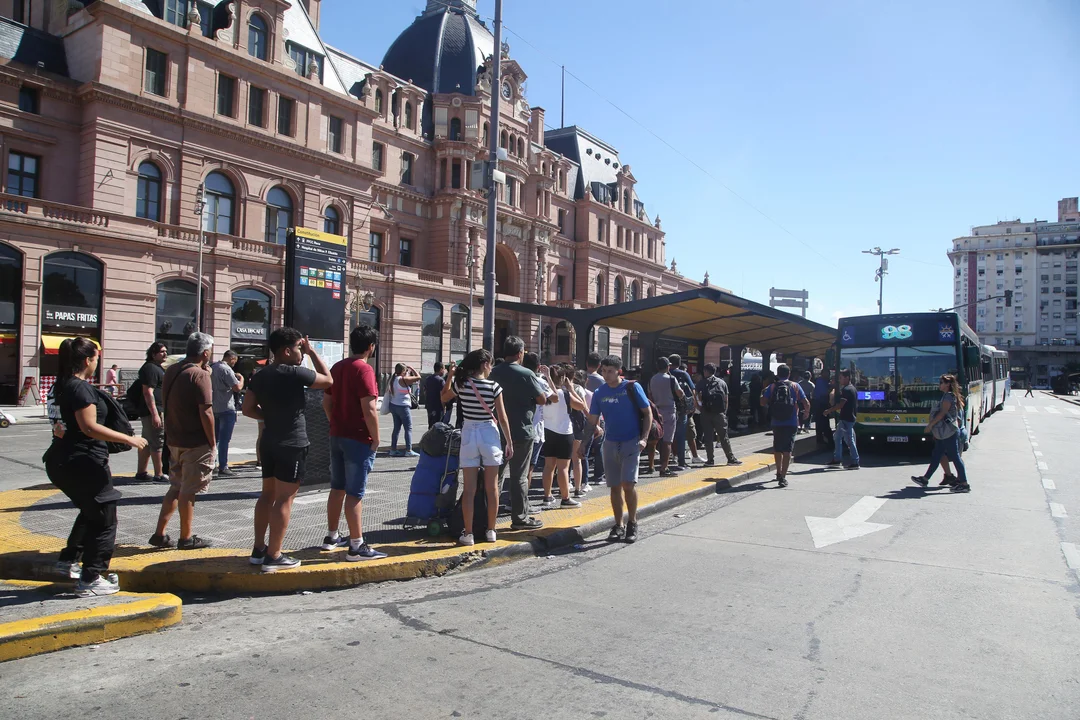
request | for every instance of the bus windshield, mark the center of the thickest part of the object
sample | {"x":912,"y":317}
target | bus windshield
{"x":893,"y":377}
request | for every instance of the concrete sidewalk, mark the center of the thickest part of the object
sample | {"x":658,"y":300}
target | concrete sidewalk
{"x":34,"y":523}
{"x":42,"y":617}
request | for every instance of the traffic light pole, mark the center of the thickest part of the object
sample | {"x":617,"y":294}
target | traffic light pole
{"x":1007,"y":297}
{"x":493,"y":197}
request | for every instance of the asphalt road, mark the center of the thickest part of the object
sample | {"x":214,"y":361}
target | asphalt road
{"x":944,"y":606}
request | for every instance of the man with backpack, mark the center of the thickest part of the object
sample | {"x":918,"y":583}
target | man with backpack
{"x":628,"y":420}
{"x":685,"y":406}
{"x":785,"y":400}
{"x":714,"y":420}
{"x":845,"y":409}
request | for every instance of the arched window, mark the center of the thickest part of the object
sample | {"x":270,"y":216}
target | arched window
{"x":279,"y":215}
{"x":408,"y":115}
{"x":371,"y":317}
{"x":250,"y":328}
{"x":395,"y":105}
{"x":543,"y":169}
{"x":431,"y":335}
{"x":626,"y":350}
{"x":459,"y":332}
{"x":626,"y":201}
{"x":220,"y":204}
{"x":635,"y":290}
{"x":487,"y":133}
{"x":177,"y":301}
{"x":545,"y":343}
{"x":72,"y":280}
{"x":257,"y":37}
{"x":619,"y":291}
{"x":378,"y":101}
{"x":521,"y":148}
{"x":331,"y":221}
{"x":513,"y":144}
{"x":600,"y":287}
{"x":504,"y":138}
{"x":603,"y":342}
{"x":148,"y":196}
{"x":651,"y":292}
{"x":562,"y":181}
{"x":455,"y":128}
{"x":562,"y":338}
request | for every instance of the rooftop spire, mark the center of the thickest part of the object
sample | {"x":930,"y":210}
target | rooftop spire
{"x":438,"y":5}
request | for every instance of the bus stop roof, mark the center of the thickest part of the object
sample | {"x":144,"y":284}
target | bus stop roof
{"x":701,"y":315}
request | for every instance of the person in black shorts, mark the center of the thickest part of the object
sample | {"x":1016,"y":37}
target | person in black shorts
{"x":788,"y":405}
{"x":277,"y":396}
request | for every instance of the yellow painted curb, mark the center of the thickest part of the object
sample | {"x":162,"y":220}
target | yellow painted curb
{"x":30,"y":555}
{"x":24,"y":638}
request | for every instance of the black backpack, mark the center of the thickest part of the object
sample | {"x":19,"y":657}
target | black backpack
{"x":440,"y":440}
{"x":782,"y":404}
{"x":116,"y":419}
{"x":714,"y":398}
{"x":685,"y":404}
{"x":133,"y":403}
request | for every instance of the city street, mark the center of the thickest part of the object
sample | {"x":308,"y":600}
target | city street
{"x":847,"y":595}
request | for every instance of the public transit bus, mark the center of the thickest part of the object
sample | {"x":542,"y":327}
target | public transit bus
{"x":895,"y":362}
{"x":996,"y":384}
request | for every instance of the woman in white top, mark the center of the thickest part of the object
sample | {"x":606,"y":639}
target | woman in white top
{"x":481,"y":407}
{"x":559,"y":436}
{"x":401,"y":408}
{"x":577,"y":465}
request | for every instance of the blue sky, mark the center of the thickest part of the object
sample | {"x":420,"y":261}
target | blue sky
{"x":840,"y":125}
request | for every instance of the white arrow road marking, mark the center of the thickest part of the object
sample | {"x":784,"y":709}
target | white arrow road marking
{"x":1049,"y":484}
{"x":1053,"y":411}
{"x":1058,"y":510}
{"x":1072,"y":555}
{"x":850,"y":525}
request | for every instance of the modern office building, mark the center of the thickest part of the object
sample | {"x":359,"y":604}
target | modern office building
{"x":1037,"y":261}
{"x":118,"y":116}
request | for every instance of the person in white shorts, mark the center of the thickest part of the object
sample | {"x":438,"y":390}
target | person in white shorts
{"x":484,"y":414}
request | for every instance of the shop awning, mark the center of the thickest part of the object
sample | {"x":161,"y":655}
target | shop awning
{"x":52,"y":342}
{"x":8,"y":338}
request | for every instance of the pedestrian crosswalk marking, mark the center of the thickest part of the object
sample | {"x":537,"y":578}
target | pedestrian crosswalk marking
{"x":1075,"y":411}
{"x":1031,"y":408}
{"x":1072,"y":555}
{"x":1049,"y":484}
{"x":1009,"y":408}
{"x":1053,"y":411}
{"x":1043,"y":465}
{"x":1058,"y":510}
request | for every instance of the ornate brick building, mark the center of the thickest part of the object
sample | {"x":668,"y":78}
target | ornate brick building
{"x":115,"y":116}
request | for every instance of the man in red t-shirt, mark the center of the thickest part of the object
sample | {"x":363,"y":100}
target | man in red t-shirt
{"x":350,"y":405}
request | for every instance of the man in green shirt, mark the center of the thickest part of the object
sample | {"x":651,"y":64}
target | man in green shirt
{"x":522,"y":392}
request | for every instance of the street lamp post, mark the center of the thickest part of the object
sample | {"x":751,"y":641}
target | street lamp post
{"x":470,"y":262}
{"x":493,"y":198}
{"x":882,"y":271}
{"x":200,"y":209}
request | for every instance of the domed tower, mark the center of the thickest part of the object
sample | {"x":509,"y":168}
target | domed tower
{"x":443,"y":48}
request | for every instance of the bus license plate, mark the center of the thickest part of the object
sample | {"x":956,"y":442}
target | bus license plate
{"x":898,"y":438}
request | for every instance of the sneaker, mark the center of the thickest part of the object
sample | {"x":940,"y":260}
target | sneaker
{"x":920,"y":480}
{"x":394,"y":453}
{"x":710,"y":463}
{"x":102,"y":585}
{"x":161,"y":478}
{"x":410,"y":454}
{"x":616,"y":534}
{"x":281,"y":562}
{"x":72,"y":569}
{"x":489,"y":536}
{"x":631,"y":532}
{"x":579,"y":494}
{"x":682,"y":468}
{"x":960,"y":487}
{"x":569,"y":502}
{"x":585,"y":488}
{"x":142,"y":477}
{"x":948,"y":480}
{"x":781,"y":482}
{"x":853,"y":466}
{"x":549,"y":503}
{"x":258,"y":555}
{"x":527,"y":524}
{"x":192,"y":543}
{"x":466,"y":539}
{"x":734,"y":461}
{"x":226,"y":472}
{"x":364,"y":552}
{"x":646,"y":471}
{"x":333,"y":542}
{"x":834,"y":463}
{"x":668,"y":473}
{"x":160,"y":541}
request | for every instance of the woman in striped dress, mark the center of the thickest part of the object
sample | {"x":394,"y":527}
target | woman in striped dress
{"x":482,"y":408}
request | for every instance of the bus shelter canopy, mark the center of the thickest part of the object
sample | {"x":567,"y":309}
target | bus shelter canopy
{"x":702,"y":315}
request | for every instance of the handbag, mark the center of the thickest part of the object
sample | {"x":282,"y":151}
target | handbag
{"x":385,"y":409}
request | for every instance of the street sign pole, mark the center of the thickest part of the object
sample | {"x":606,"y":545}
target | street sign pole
{"x":493,"y":198}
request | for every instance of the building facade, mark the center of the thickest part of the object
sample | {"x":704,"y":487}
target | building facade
{"x":1037,"y":261}
{"x":135,"y":132}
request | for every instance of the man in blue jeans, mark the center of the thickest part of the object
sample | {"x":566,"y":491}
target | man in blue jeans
{"x":845,"y":408}
{"x":785,"y":400}
{"x":224,"y":382}
{"x":687,"y":384}
{"x":350,"y":406}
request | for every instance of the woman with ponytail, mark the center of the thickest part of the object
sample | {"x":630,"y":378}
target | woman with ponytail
{"x":78,"y":464}
{"x":946,"y":419}
{"x":482,"y":408}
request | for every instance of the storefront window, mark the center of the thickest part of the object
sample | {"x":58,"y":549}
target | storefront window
{"x":176,"y":304}
{"x":431,"y":336}
{"x":562,"y":338}
{"x":250,"y":329}
{"x":459,"y":333}
{"x":370,"y":317}
{"x":70,"y":305}
{"x":10,"y":304}
{"x":603,"y":342}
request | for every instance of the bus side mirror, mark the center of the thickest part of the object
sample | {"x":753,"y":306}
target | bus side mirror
{"x":971,"y":357}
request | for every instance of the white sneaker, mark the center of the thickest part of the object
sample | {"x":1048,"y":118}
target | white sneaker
{"x":490,"y":536}
{"x":72,"y":569}
{"x":103,"y":585}
{"x":465,"y":539}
